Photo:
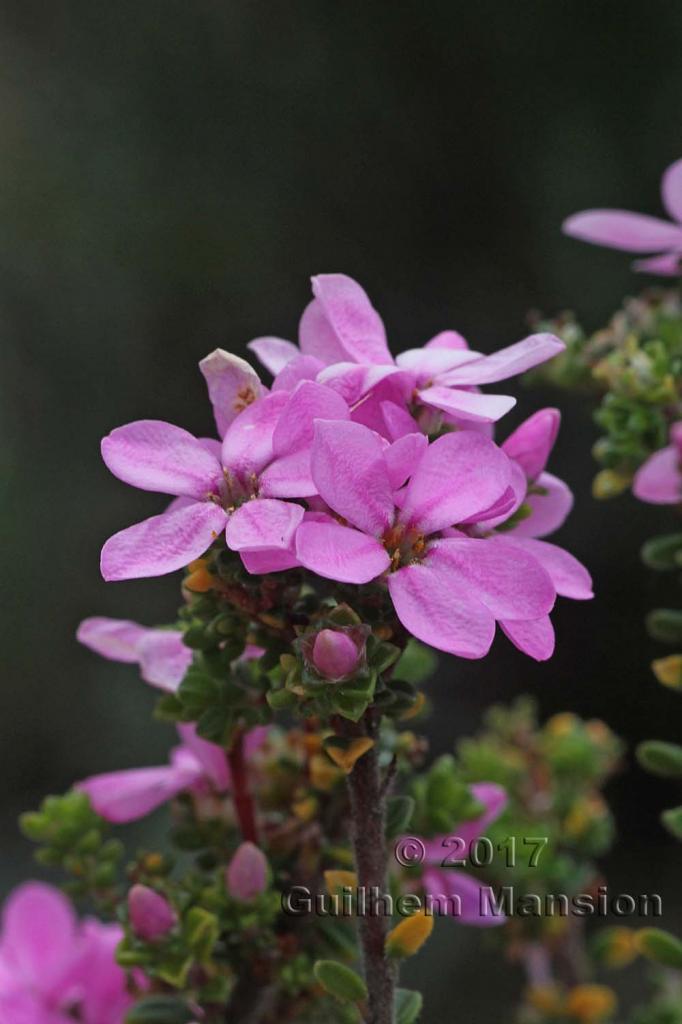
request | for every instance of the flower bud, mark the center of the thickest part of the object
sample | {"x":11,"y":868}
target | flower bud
{"x":590,"y":1003}
{"x":335,"y":654}
{"x":247,"y":873}
{"x":151,"y":915}
{"x":410,"y":935}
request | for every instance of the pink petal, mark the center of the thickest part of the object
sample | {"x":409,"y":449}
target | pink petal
{"x":507,"y":362}
{"x":535,"y":637}
{"x":340,"y":553}
{"x":38,"y":935}
{"x":531,"y":443}
{"x":163,"y":543}
{"x":504,"y":577}
{"x":116,"y":639}
{"x":309,"y":402}
{"x":467,"y":405}
{"x":467,"y":903}
{"x":260,"y":562}
{"x":671,"y":190}
{"x":273,"y":353}
{"x":350,"y":473}
{"x":669,"y":264}
{"x":247,"y":445}
{"x":569,"y":576}
{"x":164,"y":658}
{"x":210,"y":756}
{"x":429,"y":363}
{"x":549,"y":510}
{"x":659,"y":480}
{"x":507,"y":504}
{"x":317,"y":338}
{"x":402,"y":456}
{"x":619,"y":229}
{"x":125,"y":796}
{"x":288,"y":477}
{"x":448,"y":339}
{"x":263,"y":524}
{"x":440,"y":610}
{"x":494,"y":799}
{"x":459,"y":476}
{"x":352,"y":317}
{"x":353,"y":381}
{"x":105,"y":996}
{"x":156,"y":456}
{"x":232,"y":385}
{"x":300,"y":368}
{"x":397,"y":421}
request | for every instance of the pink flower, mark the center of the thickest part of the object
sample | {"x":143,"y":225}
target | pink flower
{"x":637,"y":232}
{"x":343,"y":344}
{"x":237,"y":487}
{"x":247,"y":873}
{"x":196,"y":764}
{"x":335,"y":654}
{"x":53,"y":969}
{"x":447,"y":590}
{"x":450,"y":888}
{"x":151,"y":915}
{"x":659,"y":480}
{"x":161,"y":654}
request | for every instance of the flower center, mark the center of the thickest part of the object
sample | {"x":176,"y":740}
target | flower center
{"x":234,"y":490}
{"x":404,"y":544}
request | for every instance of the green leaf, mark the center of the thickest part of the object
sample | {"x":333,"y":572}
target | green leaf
{"x":660,"y":758}
{"x":663,"y":553}
{"x":201,"y":932}
{"x":672,"y":819}
{"x":416,"y":663}
{"x":661,"y":947}
{"x":665,"y":624}
{"x":160,"y":1010}
{"x":279,"y":700}
{"x":408,"y":1006}
{"x":398,"y":814}
{"x":198,"y":691}
{"x":214,"y":724}
{"x":168,"y":708}
{"x":340,"y":981}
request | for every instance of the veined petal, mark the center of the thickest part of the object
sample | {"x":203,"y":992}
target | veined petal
{"x":507,"y":504}
{"x":402,"y":456}
{"x":263,"y":524}
{"x":353,"y":380}
{"x":531,"y":443}
{"x":507,"y":362}
{"x":288,"y":477}
{"x":157,"y":456}
{"x":247,"y":445}
{"x":569,"y":576}
{"x":467,"y":405}
{"x":210,"y":756}
{"x":507,"y":579}
{"x":116,"y":639}
{"x":668,"y":264}
{"x":659,"y":480}
{"x":397,"y":421}
{"x":353,"y":319}
{"x":350,"y":473}
{"x":620,"y":229}
{"x":534,"y":637}
{"x":441,"y":610}
{"x":232,"y":385}
{"x":164,"y":658}
{"x":316,"y":336}
{"x":448,"y":339}
{"x":339,"y":552}
{"x":671,"y":190}
{"x":458,"y":895}
{"x":309,"y":402}
{"x":428,"y":363}
{"x":163,"y":543}
{"x":300,"y":368}
{"x":549,"y":509}
{"x":273,"y":353}
{"x":459,"y":476}
{"x":260,"y":562}
{"x":131,"y":794}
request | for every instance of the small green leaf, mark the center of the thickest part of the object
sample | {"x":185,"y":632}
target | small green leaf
{"x":672,"y":820}
{"x":398,"y":815}
{"x":660,"y":758}
{"x":160,"y":1010}
{"x":214,"y":724}
{"x":665,"y":624}
{"x":340,"y":981}
{"x":201,"y":932}
{"x":408,"y":1006}
{"x":663,"y":553}
{"x":416,"y":663}
{"x":661,"y":947}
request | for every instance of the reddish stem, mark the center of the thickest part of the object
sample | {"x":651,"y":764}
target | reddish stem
{"x":243,"y":802}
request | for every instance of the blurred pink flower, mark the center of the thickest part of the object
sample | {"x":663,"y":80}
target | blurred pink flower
{"x":659,"y":480}
{"x":151,"y":915}
{"x":246,"y":875}
{"x":637,"y":232}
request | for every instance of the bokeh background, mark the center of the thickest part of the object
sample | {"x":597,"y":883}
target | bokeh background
{"x":170,"y":176}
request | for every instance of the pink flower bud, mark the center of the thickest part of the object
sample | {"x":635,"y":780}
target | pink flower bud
{"x":151,"y":915}
{"x":335,"y":654}
{"x":247,"y":872}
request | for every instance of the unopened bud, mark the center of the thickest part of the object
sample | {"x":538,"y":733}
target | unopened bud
{"x":590,"y":1003}
{"x":410,"y":935}
{"x":247,"y":873}
{"x":151,"y":915}
{"x":335,"y":654}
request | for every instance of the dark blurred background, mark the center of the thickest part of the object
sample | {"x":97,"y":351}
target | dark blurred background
{"x":170,"y":176}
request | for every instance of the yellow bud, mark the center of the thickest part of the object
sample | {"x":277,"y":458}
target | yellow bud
{"x":669,"y":671}
{"x":598,"y":731}
{"x":561,"y":724}
{"x":621,"y":947}
{"x":546,"y":999}
{"x":305,"y":809}
{"x":416,"y":708}
{"x":323,"y":774}
{"x":410,"y":935}
{"x":337,"y":880}
{"x":198,"y":563}
{"x":200,"y":581}
{"x":345,"y":757}
{"x":609,"y":484}
{"x":590,"y":1003}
